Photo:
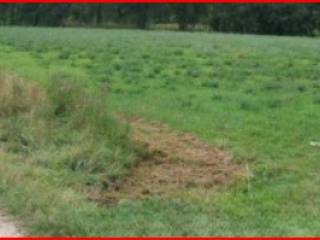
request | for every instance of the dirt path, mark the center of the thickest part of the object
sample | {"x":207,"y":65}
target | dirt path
{"x":7,"y":227}
{"x":170,"y":164}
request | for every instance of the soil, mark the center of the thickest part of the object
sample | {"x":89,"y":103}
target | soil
{"x":171,"y":163}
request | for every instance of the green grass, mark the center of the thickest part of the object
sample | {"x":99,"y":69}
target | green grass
{"x":257,"y":97}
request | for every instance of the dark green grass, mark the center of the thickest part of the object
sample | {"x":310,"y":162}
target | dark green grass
{"x":257,"y":97}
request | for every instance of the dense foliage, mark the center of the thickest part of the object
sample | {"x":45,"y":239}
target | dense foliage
{"x":279,"y":19}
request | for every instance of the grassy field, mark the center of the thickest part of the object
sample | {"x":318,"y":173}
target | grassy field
{"x":256,"y":97}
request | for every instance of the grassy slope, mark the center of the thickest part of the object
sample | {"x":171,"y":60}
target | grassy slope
{"x":256,"y":96}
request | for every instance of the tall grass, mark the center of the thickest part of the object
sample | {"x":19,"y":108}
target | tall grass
{"x":65,"y":117}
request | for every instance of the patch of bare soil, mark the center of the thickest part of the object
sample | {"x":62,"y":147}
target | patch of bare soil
{"x":8,"y":228}
{"x":172,"y":163}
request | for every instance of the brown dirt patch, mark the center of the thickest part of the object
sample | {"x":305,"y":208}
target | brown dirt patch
{"x":172,"y":163}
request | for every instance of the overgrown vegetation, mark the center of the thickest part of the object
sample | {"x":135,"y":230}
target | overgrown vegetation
{"x":63,"y":130}
{"x":253,"y":96}
{"x":67,"y":118}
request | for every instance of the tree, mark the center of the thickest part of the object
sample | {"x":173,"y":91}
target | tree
{"x":278,"y":19}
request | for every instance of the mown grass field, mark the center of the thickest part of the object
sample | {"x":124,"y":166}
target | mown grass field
{"x":255,"y":97}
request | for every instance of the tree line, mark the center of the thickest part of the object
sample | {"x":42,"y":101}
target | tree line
{"x":277,"y":19}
